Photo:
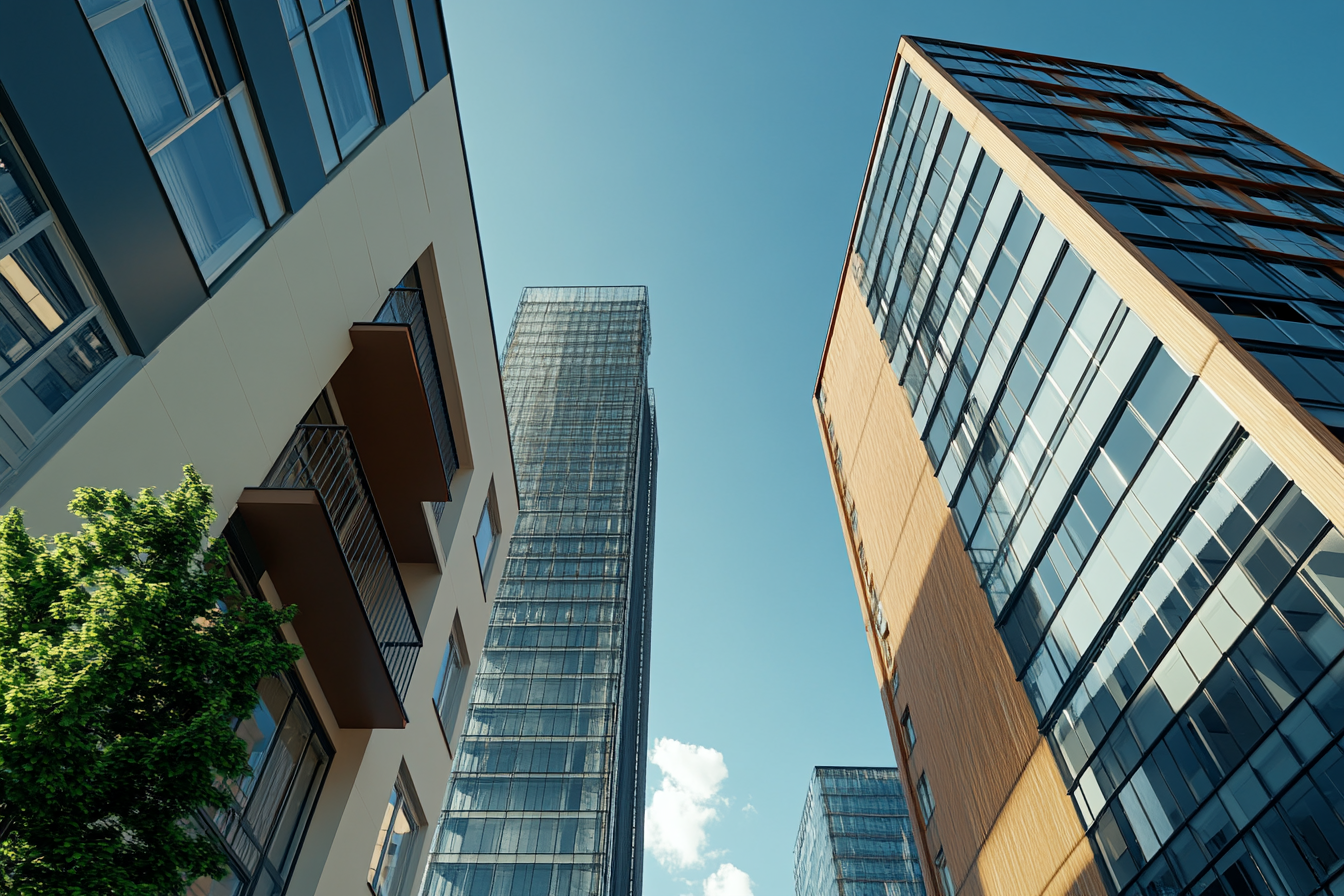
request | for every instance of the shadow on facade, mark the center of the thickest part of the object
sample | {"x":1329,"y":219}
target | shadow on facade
{"x":1002,"y":816}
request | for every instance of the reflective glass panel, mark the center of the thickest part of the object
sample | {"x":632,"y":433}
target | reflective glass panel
{"x":204,"y":175}
{"x":133,"y":53}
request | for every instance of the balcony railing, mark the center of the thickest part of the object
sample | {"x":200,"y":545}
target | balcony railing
{"x":407,"y":306}
{"x":322,"y":458}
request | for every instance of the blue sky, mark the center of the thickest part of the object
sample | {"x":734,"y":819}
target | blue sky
{"x":714,"y":152}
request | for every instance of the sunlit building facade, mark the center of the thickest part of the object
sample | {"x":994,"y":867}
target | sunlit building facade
{"x":239,"y":235}
{"x":1081,"y":403}
{"x":548,"y":785}
{"x":855,"y":838}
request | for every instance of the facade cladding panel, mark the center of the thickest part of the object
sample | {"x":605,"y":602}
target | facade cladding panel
{"x":548,"y":783}
{"x":1147,"y":523}
{"x":856,"y":838}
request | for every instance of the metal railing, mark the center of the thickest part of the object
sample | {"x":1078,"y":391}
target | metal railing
{"x":323,"y":458}
{"x":407,"y":306}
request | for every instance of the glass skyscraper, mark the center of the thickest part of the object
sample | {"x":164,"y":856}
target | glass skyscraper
{"x":1082,"y":399}
{"x":547,"y":793}
{"x":855,"y":838}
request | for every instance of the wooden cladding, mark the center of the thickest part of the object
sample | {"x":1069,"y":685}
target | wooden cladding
{"x":1003,"y":819}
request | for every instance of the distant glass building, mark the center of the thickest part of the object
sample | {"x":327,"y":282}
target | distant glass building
{"x":855,"y":838}
{"x":547,"y":794}
{"x":1082,"y":399}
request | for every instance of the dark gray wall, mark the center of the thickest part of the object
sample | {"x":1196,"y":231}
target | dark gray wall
{"x":69,"y":118}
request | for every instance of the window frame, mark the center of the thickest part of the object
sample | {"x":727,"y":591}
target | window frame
{"x":454,"y":649}
{"x":402,"y":802}
{"x":924,"y":796}
{"x":305,"y":35}
{"x":490,"y":511}
{"x":945,"y":882}
{"x":410,"y":48}
{"x":44,"y":225}
{"x":908,"y":728}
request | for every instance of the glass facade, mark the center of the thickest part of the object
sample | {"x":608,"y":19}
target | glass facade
{"x":1250,"y":230}
{"x":548,"y":781}
{"x":856,"y":838}
{"x":1171,"y":602}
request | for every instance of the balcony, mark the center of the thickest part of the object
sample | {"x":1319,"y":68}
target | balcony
{"x":315,"y":524}
{"x":391,"y":396}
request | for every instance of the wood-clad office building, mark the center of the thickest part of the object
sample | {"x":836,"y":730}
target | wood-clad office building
{"x":1081,"y":400}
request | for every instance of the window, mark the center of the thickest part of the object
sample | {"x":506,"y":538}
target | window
{"x":54,"y":338}
{"x":270,"y":809}
{"x":909,"y":728}
{"x":331,"y":72}
{"x":486,"y":530}
{"x":1168,"y":135}
{"x":1284,"y":206}
{"x":204,"y":142}
{"x":926,"y":806}
{"x":410,"y":48}
{"x":1154,"y":156}
{"x":1107,"y":125}
{"x":1211,"y":194}
{"x":1282,"y":239}
{"x":1114,"y":181}
{"x":452,"y":682}
{"x":944,"y":875}
{"x":1220,"y":165}
{"x":389,"y":874}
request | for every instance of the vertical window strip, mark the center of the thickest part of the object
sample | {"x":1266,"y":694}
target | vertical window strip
{"x":910,"y":111}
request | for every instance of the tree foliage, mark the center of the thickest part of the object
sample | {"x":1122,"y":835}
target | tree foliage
{"x":126,"y":653}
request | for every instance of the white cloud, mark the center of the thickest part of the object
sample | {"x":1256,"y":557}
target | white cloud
{"x":729,"y":880}
{"x":674,"y":823}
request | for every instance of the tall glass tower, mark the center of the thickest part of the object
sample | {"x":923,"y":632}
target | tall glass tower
{"x":855,"y":838}
{"x":547,"y":793}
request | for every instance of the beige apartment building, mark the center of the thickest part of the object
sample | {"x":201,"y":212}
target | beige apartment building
{"x":241,"y":236}
{"x":1081,"y":399}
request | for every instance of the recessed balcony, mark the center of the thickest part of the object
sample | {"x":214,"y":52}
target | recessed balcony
{"x":391,"y":396}
{"x":315,"y":524}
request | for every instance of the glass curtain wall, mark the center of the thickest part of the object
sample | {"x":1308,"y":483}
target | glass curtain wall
{"x":202,"y":137}
{"x":856,"y":838}
{"x":1173,"y":604}
{"x":547,"y":791}
{"x":55,"y":340}
{"x":1253,"y":232}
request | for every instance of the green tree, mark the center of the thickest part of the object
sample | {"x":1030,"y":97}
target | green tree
{"x":126,"y":653}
